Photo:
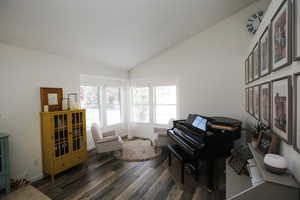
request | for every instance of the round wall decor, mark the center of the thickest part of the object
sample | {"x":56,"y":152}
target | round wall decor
{"x":254,"y":21}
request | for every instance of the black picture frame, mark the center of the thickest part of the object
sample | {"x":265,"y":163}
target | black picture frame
{"x":265,"y":122}
{"x":265,"y":35}
{"x":256,"y":61}
{"x":288,"y":61}
{"x":256,"y":100}
{"x":276,"y":130}
{"x":295,"y":114}
{"x":250,"y":68}
{"x":246,"y":71}
{"x":246,"y":100}
{"x":251,"y":111}
{"x":296,"y":21}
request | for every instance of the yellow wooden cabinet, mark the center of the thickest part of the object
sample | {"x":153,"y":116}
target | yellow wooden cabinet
{"x":63,"y":140}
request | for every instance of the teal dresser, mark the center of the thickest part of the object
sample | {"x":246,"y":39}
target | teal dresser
{"x":4,"y":163}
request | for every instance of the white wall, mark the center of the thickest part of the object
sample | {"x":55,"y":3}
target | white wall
{"x":208,"y":68}
{"x":22,"y":73}
{"x":287,"y":150}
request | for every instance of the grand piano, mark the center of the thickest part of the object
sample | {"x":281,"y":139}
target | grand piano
{"x":203,"y":138}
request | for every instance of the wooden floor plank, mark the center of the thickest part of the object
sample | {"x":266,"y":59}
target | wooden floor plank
{"x":149,"y":182}
{"x":78,"y":194}
{"x":156,"y":186}
{"x":70,"y":187}
{"x":164,"y":190}
{"x":132,"y":188}
{"x":105,"y":177}
{"x":120,"y":184}
{"x":198,"y":194}
{"x":187,"y":195}
{"x":93,"y":191}
{"x":69,"y":177}
{"x":108,"y":186}
{"x":175,"y":193}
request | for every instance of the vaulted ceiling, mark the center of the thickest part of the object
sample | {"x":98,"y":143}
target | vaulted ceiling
{"x":121,"y":33}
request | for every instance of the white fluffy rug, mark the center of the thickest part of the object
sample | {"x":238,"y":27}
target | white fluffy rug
{"x":137,"y":150}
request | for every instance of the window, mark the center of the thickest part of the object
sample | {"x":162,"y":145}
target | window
{"x":160,"y":110}
{"x":112,"y":105}
{"x":141,"y":108}
{"x":165,"y":104}
{"x":90,"y":100}
{"x":103,"y":105}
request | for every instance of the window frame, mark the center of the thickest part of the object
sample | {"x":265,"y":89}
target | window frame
{"x":133,"y":104}
{"x":99,"y":95}
{"x":152,"y":103}
{"x":102,"y":104}
{"x":155,"y":104}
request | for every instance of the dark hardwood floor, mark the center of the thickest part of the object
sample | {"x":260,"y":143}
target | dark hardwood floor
{"x":105,"y":177}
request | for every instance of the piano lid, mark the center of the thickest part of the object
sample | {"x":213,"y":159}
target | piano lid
{"x":225,"y":121}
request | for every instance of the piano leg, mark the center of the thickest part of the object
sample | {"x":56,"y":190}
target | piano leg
{"x":182,"y":172}
{"x":170,"y":158}
{"x":210,"y":175}
{"x":196,"y":171}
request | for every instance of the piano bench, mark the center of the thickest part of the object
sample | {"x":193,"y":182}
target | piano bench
{"x":184,"y":159}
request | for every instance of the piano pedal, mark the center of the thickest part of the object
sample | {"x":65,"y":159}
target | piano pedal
{"x":210,"y":189}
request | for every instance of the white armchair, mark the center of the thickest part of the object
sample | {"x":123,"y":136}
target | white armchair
{"x":106,"y":142}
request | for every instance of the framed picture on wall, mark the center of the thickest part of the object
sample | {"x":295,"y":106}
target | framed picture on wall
{"x":281,"y":108}
{"x":297,"y":30}
{"x":256,"y":62}
{"x":251,"y":100}
{"x":246,"y":71}
{"x":247,"y":100}
{"x":265,"y":51}
{"x":296,"y":139}
{"x":265,"y":105}
{"x":281,"y":36}
{"x":256,"y":101}
{"x":250,"y":70}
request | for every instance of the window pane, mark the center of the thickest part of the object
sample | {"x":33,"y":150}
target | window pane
{"x":165,"y":95}
{"x":141,"y":113}
{"x":89,"y":100}
{"x":141,"y":95}
{"x":141,"y":108}
{"x":89,"y":97}
{"x":163,"y":113}
{"x":113,"y":114}
{"x":92,"y":116}
{"x":113,"y":105}
{"x":112,"y":95}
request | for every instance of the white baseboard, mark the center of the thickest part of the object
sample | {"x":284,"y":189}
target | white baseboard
{"x":36,"y":178}
{"x":91,"y":149}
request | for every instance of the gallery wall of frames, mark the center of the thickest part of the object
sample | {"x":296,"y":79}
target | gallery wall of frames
{"x":273,"y":100}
